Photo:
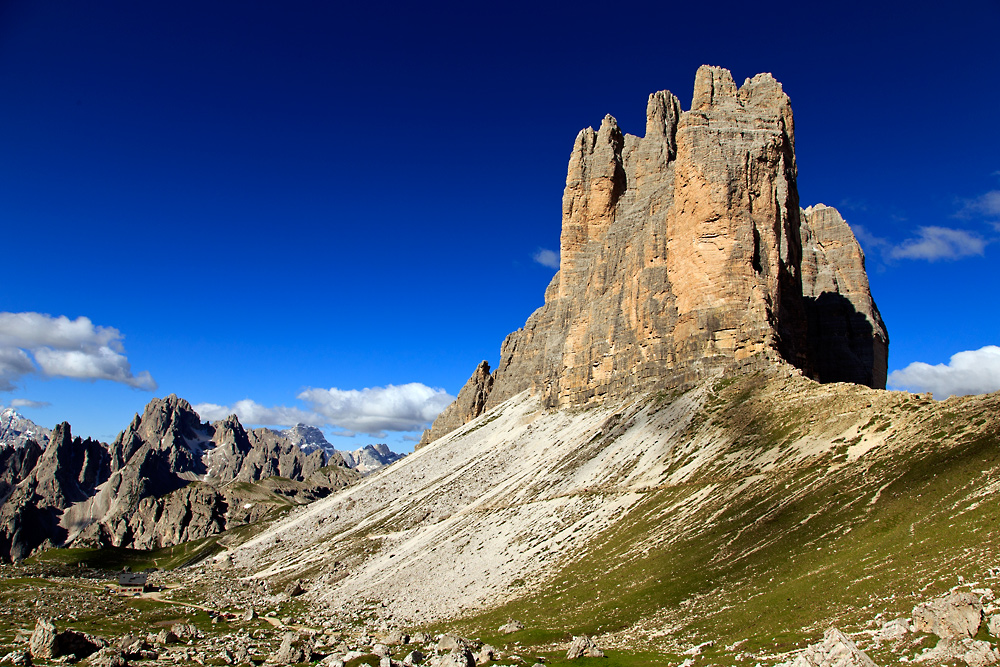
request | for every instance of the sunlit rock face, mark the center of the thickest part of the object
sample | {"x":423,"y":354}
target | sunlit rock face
{"x":681,"y":255}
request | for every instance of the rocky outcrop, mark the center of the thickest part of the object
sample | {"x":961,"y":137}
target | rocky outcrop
{"x":469,"y":404}
{"x":836,"y":650}
{"x":847,"y":338}
{"x":956,"y":615}
{"x":48,"y":644}
{"x":68,"y":472}
{"x":681,"y":256}
{"x":583,"y":647}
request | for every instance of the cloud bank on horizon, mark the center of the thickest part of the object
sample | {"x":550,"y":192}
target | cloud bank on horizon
{"x":372,"y":411}
{"x":968,"y":372}
{"x":60,"y":347}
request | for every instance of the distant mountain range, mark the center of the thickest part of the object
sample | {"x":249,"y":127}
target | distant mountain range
{"x":166,"y":479}
{"x":365,"y":459}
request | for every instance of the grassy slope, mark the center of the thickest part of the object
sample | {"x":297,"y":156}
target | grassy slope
{"x":818,"y":541}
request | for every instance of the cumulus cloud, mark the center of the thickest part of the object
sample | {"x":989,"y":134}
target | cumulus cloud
{"x":373,"y":411}
{"x":549,"y":258}
{"x":969,"y":372}
{"x":27,"y":403}
{"x":934,"y":243}
{"x":62,"y":347}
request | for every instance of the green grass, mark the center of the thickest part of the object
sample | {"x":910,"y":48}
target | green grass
{"x":117,"y":558}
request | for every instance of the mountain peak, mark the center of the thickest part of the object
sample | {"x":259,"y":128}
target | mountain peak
{"x":681,"y":256}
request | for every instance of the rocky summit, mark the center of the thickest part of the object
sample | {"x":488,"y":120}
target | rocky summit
{"x":683,"y":253}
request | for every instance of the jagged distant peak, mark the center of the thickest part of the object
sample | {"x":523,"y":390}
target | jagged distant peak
{"x":308,"y":439}
{"x":16,"y":429}
{"x":370,"y":458}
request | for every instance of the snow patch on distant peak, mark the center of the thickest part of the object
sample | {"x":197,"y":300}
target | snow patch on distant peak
{"x":16,"y":430}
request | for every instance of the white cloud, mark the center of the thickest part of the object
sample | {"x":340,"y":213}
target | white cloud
{"x":987,"y":204}
{"x":64,"y":348}
{"x":27,"y":403}
{"x":13,"y":364}
{"x":934,"y":243}
{"x":373,"y":411}
{"x":549,"y":258}
{"x":253,"y":413}
{"x":969,"y":372}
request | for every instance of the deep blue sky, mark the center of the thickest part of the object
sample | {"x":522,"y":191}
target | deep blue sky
{"x":264,"y":197}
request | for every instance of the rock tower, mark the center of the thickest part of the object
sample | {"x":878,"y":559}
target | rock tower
{"x":684,"y":252}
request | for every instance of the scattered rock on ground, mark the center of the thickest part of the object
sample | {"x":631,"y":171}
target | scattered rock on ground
{"x":460,"y":657}
{"x":836,"y":650}
{"x":894,"y":629}
{"x":108,"y":657}
{"x":17,"y":658}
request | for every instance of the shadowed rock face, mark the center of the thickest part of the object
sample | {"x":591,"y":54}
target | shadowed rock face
{"x":847,"y":338}
{"x":681,"y":255}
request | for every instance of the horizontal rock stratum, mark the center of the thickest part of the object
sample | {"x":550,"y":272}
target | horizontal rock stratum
{"x":685,"y":252}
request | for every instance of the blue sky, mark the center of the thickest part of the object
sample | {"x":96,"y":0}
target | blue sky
{"x":339,"y":209}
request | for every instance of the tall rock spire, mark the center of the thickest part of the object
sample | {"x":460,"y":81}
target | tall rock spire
{"x":681,"y":255}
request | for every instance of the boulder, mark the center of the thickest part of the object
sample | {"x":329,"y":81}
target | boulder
{"x":583,"y":646}
{"x":956,"y":615}
{"x":294,"y":589}
{"x":185,"y":631}
{"x":108,"y":657}
{"x":894,"y":629}
{"x":453,"y":643}
{"x":414,"y":657}
{"x":293,"y":650}
{"x":460,"y":657}
{"x":511,"y":627}
{"x":487,"y":654}
{"x":396,"y":638}
{"x":836,"y":650}
{"x":17,"y":658}
{"x":44,"y":642}
{"x":979,"y":653}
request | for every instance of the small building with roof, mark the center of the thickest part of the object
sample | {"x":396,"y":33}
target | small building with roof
{"x":131,"y":583}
